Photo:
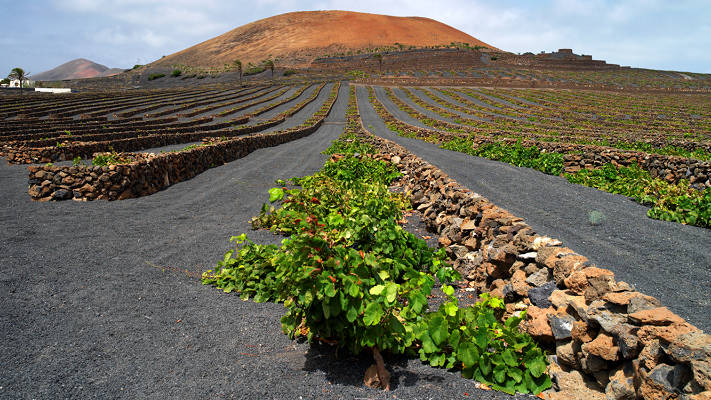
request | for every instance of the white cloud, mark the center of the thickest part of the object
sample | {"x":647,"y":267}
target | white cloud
{"x":116,"y":36}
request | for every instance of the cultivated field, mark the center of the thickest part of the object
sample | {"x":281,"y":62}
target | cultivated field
{"x":188,"y":167}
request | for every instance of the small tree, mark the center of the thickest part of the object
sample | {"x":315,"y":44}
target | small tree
{"x":379,"y":57}
{"x":19,"y":74}
{"x":238,"y":64}
{"x":270,"y":64}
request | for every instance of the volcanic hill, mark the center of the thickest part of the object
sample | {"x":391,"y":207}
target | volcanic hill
{"x":76,"y":69}
{"x":299,"y":37}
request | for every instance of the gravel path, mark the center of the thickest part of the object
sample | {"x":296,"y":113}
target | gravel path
{"x":95,"y":301}
{"x":422,"y":96}
{"x":302,"y":115}
{"x":667,"y":260}
{"x":395,"y":110}
{"x":430,"y":114}
{"x":449,"y":99}
{"x":498,"y":100}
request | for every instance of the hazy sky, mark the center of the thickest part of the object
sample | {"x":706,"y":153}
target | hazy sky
{"x":38,"y":35}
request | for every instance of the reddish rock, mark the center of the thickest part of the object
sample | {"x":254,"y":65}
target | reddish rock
{"x":566,"y":353}
{"x":694,"y":349}
{"x":622,"y":286}
{"x":642,"y":302}
{"x":468,"y":225}
{"x":566,"y":266}
{"x":651,"y":355}
{"x":547,"y":256}
{"x":496,"y":271}
{"x":537,"y":323}
{"x":573,"y":385}
{"x":497,"y":288}
{"x":599,"y":285}
{"x":472,"y":243}
{"x":591,"y":363}
{"x":35,"y":191}
{"x":582,"y":332}
{"x":544,"y":241}
{"x":444,"y":241}
{"x":593,"y":282}
{"x":503,"y":256}
{"x":576,"y":282}
{"x":518,"y":283}
{"x":621,"y":385}
{"x":619,"y":298}
{"x":627,"y":339}
{"x":604,"y":347}
{"x":564,"y":300}
{"x":660,"y":316}
{"x":666,"y":334}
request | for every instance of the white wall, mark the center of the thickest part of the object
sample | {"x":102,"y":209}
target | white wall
{"x":53,"y":90}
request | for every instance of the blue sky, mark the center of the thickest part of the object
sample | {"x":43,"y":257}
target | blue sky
{"x":658,"y":34}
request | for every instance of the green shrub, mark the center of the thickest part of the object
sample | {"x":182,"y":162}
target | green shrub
{"x":155,"y":76}
{"x":253,"y":70}
{"x":110,"y":158}
{"x":350,"y":273}
{"x":669,"y":202}
{"x":289,"y":72}
{"x":515,"y":154}
{"x":176,"y":73}
{"x":356,"y":74}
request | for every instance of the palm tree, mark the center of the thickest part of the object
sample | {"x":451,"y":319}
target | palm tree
{"x":270,"y":64}
{"x":19,"y":74}
{"x":238,"y":64}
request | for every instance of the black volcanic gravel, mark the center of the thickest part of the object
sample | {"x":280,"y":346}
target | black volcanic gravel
{"x":101,"y":299}
{"x":669,"y":261}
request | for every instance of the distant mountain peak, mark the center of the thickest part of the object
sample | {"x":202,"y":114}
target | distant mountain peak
{"x":76,"y":69}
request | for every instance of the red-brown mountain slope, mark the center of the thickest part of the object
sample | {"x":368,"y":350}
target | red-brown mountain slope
{"x":76,"y":69}
{"x":299,"y":37}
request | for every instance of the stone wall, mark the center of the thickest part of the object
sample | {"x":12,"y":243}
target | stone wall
{"x":157,"y":138}
{"x":579,"y":156}
{"x":670,"y":168}
{"x":406,"y":60}
{"x":150,"y":173}
{"x":517,"y":83}
{"x":606,"y":339}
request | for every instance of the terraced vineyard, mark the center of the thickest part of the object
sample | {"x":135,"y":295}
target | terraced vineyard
{"x":116,"y":146}
{"x":654,"y":148}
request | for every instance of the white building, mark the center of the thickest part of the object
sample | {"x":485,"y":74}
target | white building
{"x":25,"y":84}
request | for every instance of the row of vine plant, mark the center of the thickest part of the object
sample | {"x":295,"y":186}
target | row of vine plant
{"x":675,"y":202}
{"x":348,"y":272}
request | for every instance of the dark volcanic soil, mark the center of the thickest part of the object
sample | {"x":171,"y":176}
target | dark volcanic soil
{"x":666,"y":260}
{"x":101,"y":299}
